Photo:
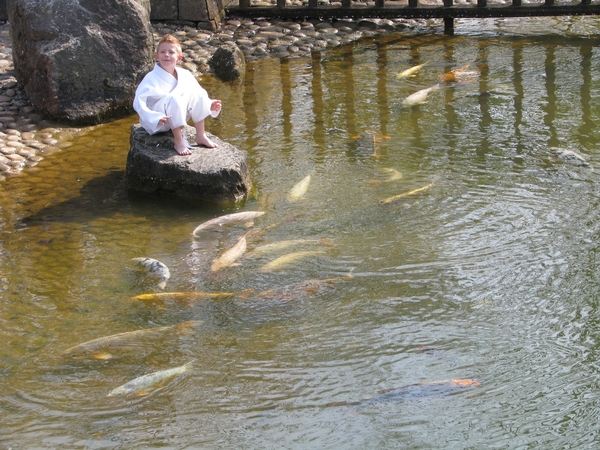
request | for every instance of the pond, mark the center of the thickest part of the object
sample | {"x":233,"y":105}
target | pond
{"x":485,"y":271}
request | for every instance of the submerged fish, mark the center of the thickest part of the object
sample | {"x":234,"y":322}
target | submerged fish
{"x":407,"y":194}
{"x":299,"y":189}
{"x":461,"y":74}
{"x":194,"y":295}
{"x":410,"y":72}
{"x":420,"y":97}
{"x":416,"y":391}
{"x":282,"y":245}
{"x":299,"y":290}
{"x":393,"y":175}
{"x":570,"y":156}
{"x":245,"y":217}
{"x":285,"y":260}
{"x":121,"y":340}
{"x":231,"y":255}
{"x":140,"y":384}
{"x":156,"y":268}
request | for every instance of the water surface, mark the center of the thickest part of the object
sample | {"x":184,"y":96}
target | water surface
{"x":493,"y":267}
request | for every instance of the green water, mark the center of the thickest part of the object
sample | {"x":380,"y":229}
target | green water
{"x":493,"y":265}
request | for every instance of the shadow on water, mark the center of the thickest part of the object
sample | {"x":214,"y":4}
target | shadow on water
{"x":108,"y":195}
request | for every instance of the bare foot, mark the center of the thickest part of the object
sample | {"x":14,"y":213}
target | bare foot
{"x":182,"y":149}
{"x":206,"y":142}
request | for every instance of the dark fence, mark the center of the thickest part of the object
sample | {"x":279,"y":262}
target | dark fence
{"x":414,"y":10}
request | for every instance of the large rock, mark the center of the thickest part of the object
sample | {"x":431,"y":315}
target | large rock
{"x":216,"y":175}
{"x":80,"y":61}
{"x":228,"y":62}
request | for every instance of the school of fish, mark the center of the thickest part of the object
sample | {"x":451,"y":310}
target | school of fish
{"x":100,"y":347}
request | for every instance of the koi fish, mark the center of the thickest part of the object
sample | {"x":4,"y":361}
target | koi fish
{"x":299,"y":290}
{"x":156,"y":268}
{"x":416,"y":391}
{"x":460,"y":74}
{"x":245,"y":217}
{"x":282,"y":245}
{"x":231,"y":255}
{"x":410,"y":72}
{"x":121,"y":340}
{"x":181,"y":295}
{"x":407,"y":194}
{"x":393,"y":175}
{"x":285,"y":260}
{"x":140,"y":384}
{"x":420,"y":97}
{"x":570,"y":156}
{"x":299,"y":189}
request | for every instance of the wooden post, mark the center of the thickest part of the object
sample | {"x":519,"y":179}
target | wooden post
{"x":481,"y":3}
{"x":281,"y":3}
{"x":413,"y":3}
{"x":516,"y":2}
{"x":313,"y":3}
{"x":448,"y":25}
{"x":379,"y":3}
{"x":244,"y":3}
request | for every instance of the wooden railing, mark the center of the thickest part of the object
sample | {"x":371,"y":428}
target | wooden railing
{"x":414,"y":10}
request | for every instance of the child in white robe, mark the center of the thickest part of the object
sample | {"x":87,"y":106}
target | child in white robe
{"x":169,"y":96}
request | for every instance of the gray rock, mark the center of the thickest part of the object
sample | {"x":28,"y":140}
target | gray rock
{"x":228,"y":62}
{"x":80,"y":61}
{"x":215,"y":175}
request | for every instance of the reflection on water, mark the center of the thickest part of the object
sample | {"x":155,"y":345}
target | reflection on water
{"x":491,"y":269}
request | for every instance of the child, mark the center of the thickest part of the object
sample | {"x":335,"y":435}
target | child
{"x":169,"y":96}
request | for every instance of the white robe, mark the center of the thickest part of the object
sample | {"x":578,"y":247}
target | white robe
{"x":160,"y":94}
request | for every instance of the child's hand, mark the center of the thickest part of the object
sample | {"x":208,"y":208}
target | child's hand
{"x":216,"y":106}
{"x":164,"y":120}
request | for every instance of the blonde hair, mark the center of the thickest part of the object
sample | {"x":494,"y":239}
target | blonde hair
{"x":170,"y":39}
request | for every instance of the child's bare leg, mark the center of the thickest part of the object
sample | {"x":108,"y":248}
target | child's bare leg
{"x":201,"y":138}
{"x":180,"y":146}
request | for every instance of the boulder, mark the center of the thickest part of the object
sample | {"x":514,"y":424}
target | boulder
{"x":215,"y":175}
{"x":80,"y":61}
{"x":228,"y":62}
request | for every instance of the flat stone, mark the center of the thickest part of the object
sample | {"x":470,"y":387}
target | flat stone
{"x":215,"y":175}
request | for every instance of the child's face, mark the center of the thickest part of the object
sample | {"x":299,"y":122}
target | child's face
{"x":168,"y":54}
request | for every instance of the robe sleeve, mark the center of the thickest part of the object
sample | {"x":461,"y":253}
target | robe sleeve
{"x":147,"y":103}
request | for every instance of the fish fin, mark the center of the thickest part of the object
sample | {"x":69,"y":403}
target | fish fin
{"x":102,"y":356}
{"x":248,"y":224}
{"x":235,"y":264}
{"x":142,"y":393}
{"x":162,"y":284}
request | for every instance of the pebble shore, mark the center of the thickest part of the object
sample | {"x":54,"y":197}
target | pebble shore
{"x":26,"y":137}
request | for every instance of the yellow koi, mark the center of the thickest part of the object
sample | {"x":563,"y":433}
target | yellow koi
{"x":231,"y":255}
{"x":410,"y":72}
{"x":181,"y":295}
{"x":282,"y":245}
{"x":407,"y":194}
{"x":286,"y":260}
